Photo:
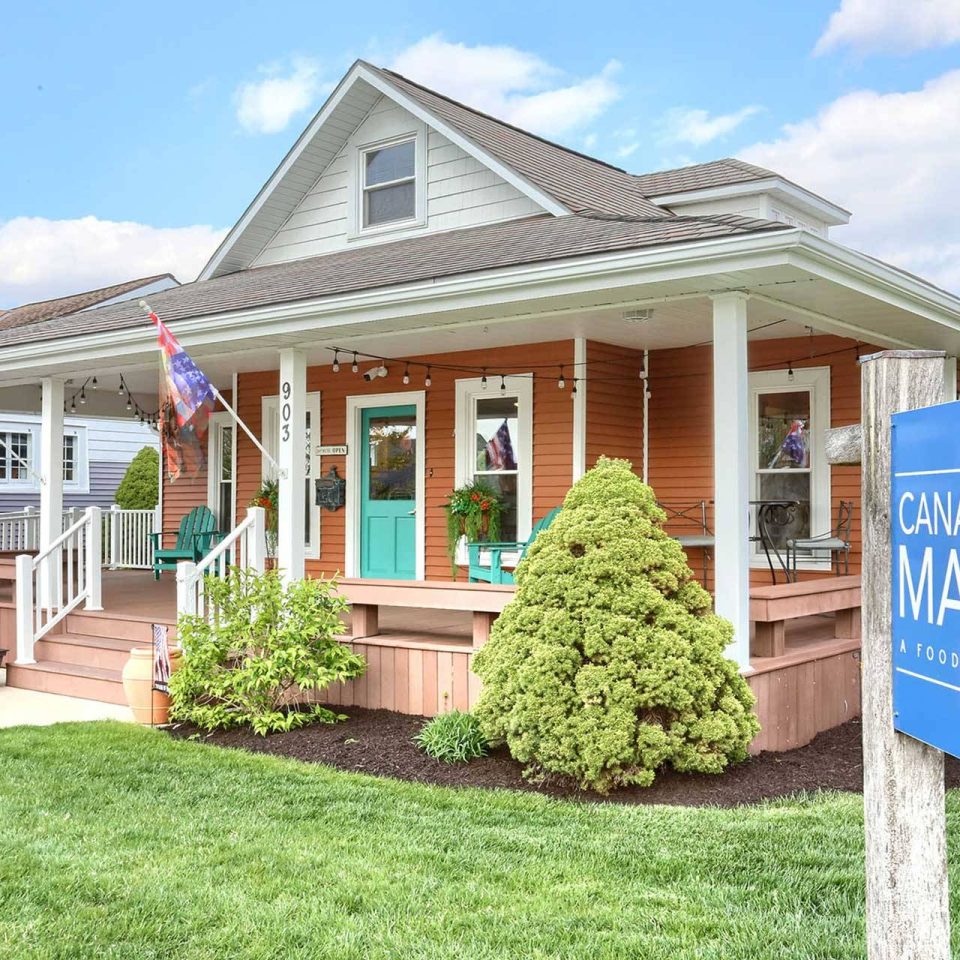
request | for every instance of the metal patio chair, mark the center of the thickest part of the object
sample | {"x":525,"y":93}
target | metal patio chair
{"x":701,"y":537}
{"x":837,"y":541}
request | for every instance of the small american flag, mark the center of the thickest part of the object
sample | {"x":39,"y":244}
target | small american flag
{"x":161,"y":659}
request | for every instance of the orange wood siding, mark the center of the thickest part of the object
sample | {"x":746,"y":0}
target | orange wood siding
{"x":614,"y":403}
{"x":552,"y":434}
{"x":681,"y":420}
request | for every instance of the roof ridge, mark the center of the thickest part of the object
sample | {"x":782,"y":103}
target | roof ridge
{"x":504,"y":123}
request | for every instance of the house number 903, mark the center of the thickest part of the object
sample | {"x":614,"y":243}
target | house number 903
{"x":285,"y":391}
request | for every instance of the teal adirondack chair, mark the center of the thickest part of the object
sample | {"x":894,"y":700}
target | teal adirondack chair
{"x":197,"y":534}
{"x":494,"y":573}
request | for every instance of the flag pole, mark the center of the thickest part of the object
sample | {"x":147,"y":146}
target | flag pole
{"x":233,"y":413}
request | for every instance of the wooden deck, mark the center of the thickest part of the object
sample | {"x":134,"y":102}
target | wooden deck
{"x":419,"y":661}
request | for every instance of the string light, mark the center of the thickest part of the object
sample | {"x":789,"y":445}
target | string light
{"x":790,"y":371}
{"x":503,"y":384}
{"x":561,"y":383}
{"x":83,"y":396}
{"x":483,"y":380}
{"x":120,"y":388}
{"x":336,"y":361}
{"x":428,"y":380}
{"x":406,"y":374}
{"x":355,"y":367}
{"x":573,"y":391}
{"x":129,"y":402}
{"x":93,"y":384}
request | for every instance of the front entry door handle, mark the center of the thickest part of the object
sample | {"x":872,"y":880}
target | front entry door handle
{"x":412,"y":512}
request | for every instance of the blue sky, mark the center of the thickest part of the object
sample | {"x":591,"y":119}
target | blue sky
{"x":168,"y":118}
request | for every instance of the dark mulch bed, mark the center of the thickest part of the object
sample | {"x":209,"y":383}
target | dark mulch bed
{"x":381,"y":742}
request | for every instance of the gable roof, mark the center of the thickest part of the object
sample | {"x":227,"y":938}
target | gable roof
{"x":414,"y":259}
{"x":700,"y":176}
{"x":41,"y":310}
{"x":560,"y":180}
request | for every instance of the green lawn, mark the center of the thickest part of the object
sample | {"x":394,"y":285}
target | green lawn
{"x":119,"y":842}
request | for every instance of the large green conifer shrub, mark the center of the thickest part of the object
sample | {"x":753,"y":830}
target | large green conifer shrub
{"x":140,"y":487}
{"x":609,"y":664}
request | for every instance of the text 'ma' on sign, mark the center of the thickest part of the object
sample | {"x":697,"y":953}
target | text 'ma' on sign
{"x":925,"y":517}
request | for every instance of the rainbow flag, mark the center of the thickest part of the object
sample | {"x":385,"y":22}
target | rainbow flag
{"x":186,"y":402}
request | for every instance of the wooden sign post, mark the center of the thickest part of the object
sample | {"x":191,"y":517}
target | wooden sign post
{"x":903,"y":792}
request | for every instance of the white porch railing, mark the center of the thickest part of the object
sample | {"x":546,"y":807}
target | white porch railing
{"x":57,"y":580}
{"x":126,"y":538}
{"x":245,"y":546}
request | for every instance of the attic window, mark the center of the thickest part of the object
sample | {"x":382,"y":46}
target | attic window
{"x":389,"y":183}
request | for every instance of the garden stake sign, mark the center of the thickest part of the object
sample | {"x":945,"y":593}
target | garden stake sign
{"x":911,"y":605}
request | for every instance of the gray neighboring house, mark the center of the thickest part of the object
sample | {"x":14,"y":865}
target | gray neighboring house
{"x":97,"y":449}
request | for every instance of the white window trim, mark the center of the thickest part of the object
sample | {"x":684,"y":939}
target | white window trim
{"x":270,"y":431}
{"x":355,"y":185}
{"x":467,"y":392}
{"x":217,"y":422}
{"x":32,"y":484}
{"x":817,"y":380}
{"x":354,"y":493}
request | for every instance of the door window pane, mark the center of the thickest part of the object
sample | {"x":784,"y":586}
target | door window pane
{"x":497,"y":451}
{"x":393,"y":457}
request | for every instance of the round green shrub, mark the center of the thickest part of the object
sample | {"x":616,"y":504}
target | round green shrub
{"x":608,"y":663}
{"x":139,"y":488}
{"x":452,"y":737}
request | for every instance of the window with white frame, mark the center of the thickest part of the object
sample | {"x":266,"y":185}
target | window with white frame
{"x":20,"y":457}
{"x":790,"y":416}
{"x":271,"y":438}
{"x":495,"y":445}
{"x":388,"y":183}
{"x":71,"y":455}
{"x":15,"y":453}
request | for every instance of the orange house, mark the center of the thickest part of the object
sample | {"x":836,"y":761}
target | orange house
{"x":421,"y":297}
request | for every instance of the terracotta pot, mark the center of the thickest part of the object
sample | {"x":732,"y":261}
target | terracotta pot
{"x":150,"y":707}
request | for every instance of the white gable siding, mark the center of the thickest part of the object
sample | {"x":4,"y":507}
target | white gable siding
{"x":460,"y":192}
{"x":759,"y":205}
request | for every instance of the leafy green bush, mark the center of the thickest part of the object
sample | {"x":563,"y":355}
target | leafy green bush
{"x":608,"y":663}
{"x":453,"y":737}
{"x":267,"y":642}
{"x":139,"y":488}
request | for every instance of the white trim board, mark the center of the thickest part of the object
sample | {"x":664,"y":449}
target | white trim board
{"x":355,"y":407}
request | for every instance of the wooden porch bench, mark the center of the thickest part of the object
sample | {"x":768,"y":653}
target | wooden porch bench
{"x":484,"y":600}
{"x":771,"y":607}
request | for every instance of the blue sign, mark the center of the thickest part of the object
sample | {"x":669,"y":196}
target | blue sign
{"x":925,"y":517}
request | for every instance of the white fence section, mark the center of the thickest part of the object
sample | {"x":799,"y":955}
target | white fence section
{"x":20,"y":530}
{"x":57,"y":580}
{"x":126,"y":538}
{"x":245,"y":546}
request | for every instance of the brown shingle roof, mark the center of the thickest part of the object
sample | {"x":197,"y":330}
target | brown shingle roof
{"x":49,"y":309}
{"x":499,"y":245}
{"x":579,"y":182}
{"x":700,"y":176}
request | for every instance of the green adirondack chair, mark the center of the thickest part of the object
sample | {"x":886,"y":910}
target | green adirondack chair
{"x":197,"y":534}
{"x":494,"y":572}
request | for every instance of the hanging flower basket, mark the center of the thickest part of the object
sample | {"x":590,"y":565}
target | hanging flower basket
{"x":473,"y":512}
{"x":268,"y":497}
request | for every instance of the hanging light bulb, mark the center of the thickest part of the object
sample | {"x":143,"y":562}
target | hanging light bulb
{"x":790,"y":371}
{"x":120,"y":388}
{"x":561,"y":383}
{"x":483,"y":380}
{"x":73,"y":406}
{"x":83,"y":396}
{"x":428,"y":380}
{"x":336,"y":361}
{"x":503,"y":384}
{"x":129,"y":402}
{"x":355,"y":367}
{"x":406,"y":374}
{"x":93,"y":384}
{"x":573,"y":391}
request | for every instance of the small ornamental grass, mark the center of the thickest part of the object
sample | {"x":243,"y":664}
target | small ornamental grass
{"x":453,"y":737}
{"x":267,"y":644}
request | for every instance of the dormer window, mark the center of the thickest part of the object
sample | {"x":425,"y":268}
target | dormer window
{"x":389,"y":183}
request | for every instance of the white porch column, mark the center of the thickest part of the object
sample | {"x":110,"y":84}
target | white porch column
{"x":51,"y":485}
{"x":731,"y":469}
{"x":293,"y":466}
{"x":579,"y":408}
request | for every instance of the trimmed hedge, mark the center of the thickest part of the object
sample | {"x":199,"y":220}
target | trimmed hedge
{"x":139,"y":488}
{"x":609,"y":664}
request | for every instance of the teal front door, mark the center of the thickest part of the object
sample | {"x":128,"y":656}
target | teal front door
{"x":388,"y":520}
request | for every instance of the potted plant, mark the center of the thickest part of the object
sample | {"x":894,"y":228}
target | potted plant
{"x":473,"y":511}
{"x":268,"y":497}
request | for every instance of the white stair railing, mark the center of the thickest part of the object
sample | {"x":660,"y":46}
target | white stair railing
{"x":57,"y":580}
{"x":20,"y":530}
{"x":126,"y":542}
{"x":245,"y":546}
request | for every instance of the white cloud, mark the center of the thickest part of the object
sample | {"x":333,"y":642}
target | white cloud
{"x":268,"y":105}
{"x":41,"y":259}
{"x":510,"y":84}
{"x":892,"y":160}
{"x":898,"y":26}
{"x":697,"y":127}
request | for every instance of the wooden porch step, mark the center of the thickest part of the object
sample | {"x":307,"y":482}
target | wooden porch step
{"x":107,"y":652}
{"x":68,"y":680}
{"x":136,"y":631}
